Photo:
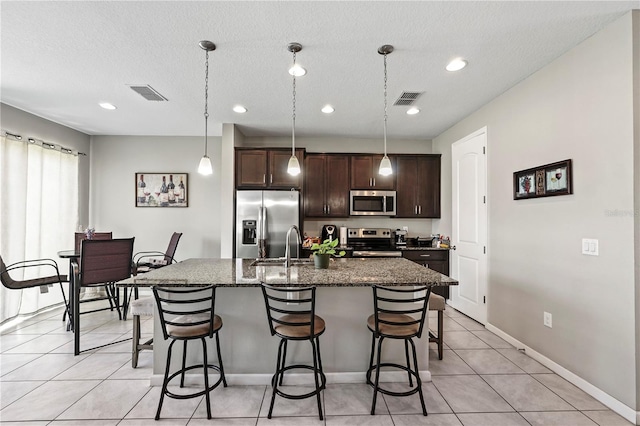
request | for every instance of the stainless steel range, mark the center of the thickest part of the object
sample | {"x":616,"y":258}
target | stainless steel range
{"x":372,"y":242}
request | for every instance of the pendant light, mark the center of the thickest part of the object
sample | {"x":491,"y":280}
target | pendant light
{"x":385,"y":165}
{"x":205,"y":167}
{"x":293,"y":168}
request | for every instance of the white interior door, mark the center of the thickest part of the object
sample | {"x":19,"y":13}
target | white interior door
{"x":469,"y":223}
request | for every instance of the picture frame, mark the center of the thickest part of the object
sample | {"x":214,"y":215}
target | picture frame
{"x":161,"y":189}
{"x":543,"y":181}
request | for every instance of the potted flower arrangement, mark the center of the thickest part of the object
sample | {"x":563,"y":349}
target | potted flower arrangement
{"x":322,"y":252}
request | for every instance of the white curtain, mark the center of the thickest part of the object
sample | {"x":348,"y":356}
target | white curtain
{"x":38,"y":217}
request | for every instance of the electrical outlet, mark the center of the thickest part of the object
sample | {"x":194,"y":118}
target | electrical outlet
{"x":405,"y":228}
{"x":548,"y":320}
{"x":590,"y":247}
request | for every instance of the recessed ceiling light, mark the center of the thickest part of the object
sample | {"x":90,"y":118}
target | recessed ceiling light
{"x":239,"y":109}
{"x":107,"y":105}
{"x":327,"y":109}
{"x":413,"y":111}
{"x":297,"y":70}
{"x":456,"y":65}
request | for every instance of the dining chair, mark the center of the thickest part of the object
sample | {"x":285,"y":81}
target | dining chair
{"x":79,"y":237}
{"x":102,"y":263}
{"x":48,"y":265}
{"x":399,"y":314}
{"x":150,"y":259}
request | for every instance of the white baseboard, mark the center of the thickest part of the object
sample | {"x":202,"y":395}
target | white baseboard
{"x":625,"y":411}
{"x":302,"y":378}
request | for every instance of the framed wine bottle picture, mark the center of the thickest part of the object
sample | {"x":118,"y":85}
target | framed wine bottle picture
{"x":543,"y":181}
{"x":162,"y":189}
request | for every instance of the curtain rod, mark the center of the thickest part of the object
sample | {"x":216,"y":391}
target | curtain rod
{"x":44,"y":144}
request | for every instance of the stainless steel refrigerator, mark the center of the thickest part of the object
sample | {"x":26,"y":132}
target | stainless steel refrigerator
{"x":262,"y":221}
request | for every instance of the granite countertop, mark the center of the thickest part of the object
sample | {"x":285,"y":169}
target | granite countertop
{"x":343,"y":272}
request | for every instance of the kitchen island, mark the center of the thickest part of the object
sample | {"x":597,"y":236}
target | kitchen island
{"x":343,"y":298}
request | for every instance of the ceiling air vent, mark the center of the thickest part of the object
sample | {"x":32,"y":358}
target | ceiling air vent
{"x":407,"y":98}
{"x":148,"y":92}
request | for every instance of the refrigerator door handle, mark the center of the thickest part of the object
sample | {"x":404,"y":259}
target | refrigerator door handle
{"x":263,"y":226}
{"x":259,"y":227}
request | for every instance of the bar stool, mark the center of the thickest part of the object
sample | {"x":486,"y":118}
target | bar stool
{"x":436,"y":303}
{"x":140,"y":307}
{"x":189,"y":314}
{"x":399,"y":313}
{"x":296,"y":321}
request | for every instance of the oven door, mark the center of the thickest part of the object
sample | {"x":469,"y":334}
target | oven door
{"x":372,"y":203}
{"x":377,"y":253}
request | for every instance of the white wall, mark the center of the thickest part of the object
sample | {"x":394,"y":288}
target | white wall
{"x":114,"y":162}
{"x":578,"y":107}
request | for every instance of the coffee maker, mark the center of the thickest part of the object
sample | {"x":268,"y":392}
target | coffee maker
{"x":400,"y":238}
{"x":329,"y":232}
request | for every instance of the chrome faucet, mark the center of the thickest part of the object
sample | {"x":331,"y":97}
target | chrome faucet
{"x":287,"y":250}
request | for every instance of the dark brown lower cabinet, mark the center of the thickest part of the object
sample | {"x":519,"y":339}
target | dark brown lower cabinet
{"x":438,"y":260}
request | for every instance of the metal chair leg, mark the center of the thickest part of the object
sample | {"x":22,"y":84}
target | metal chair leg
{"x":184,"y":360}
{"x":418,"y":380}
{"x":375,"y":388}
{"x":284,"y":360}
{"x":406,"y":354}
{"x":165,"y":381}
{"x":224,"y":379}
{"x":205,"y":363}
{"x":315,"y":376}
{"x":136,"y":341}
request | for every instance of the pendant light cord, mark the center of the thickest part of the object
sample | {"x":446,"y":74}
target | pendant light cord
{"x":385,"y":104}
{"x":206,"y":101}
{"x":293,"y":132}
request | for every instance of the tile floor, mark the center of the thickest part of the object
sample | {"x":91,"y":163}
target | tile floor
{"x":482,"y":380}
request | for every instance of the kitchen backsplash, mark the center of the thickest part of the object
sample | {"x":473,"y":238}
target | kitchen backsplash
{"x":417,"y":227}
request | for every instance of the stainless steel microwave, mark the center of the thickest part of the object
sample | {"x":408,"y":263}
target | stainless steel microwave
{"x":372,"y":203}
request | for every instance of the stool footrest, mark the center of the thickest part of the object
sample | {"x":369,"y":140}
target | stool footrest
{"x":195,"y":394}
{"x":323,"y":381}
{"x":393,"y":393}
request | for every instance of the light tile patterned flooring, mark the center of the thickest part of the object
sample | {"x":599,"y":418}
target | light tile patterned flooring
{"x":482,"y":380}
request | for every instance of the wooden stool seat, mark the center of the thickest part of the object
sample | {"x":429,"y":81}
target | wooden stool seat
{"x":296,"y":331}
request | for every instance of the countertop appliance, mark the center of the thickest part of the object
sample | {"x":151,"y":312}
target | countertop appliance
{"x":262,"y":221}
{"x":372,"y":242}
{"x":400,"y":237}
{"x":372,"y":203}
{"x":329,"y":232}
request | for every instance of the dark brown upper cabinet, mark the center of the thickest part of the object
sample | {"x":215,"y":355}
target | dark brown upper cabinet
{"x":418,"y":186}
{"x":326,"y":185}
{"x":364,"y":173}
{"x":267,"y":168}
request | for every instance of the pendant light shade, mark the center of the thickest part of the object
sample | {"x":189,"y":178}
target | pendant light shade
{"x":293,"y":168}
{"x":385,"y":164}
{"x":205,"y":168}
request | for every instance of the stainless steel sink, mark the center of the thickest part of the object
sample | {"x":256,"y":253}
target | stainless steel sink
{"x":280,"y":262}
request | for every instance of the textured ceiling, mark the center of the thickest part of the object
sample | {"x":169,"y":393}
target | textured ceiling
{"x":60,"y":59}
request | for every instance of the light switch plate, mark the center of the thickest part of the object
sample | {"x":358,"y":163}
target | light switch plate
{"x":548,"y":320}
{"x":590,"y":247}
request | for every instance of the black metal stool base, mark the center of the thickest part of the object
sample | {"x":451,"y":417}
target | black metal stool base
{"x":411,"y":373}
{"x":318,"y":375}
{"x":205,"y":367}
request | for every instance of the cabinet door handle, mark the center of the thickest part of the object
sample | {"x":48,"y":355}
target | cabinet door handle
{"x":271,"y":178}
{"x":264,"y":178}
{"x":328,"y":209}
{"x":419,"y":209}
{"x":415,"y":209}
{"x":374,"y":181}
{"x":425,"y":255}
